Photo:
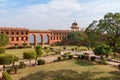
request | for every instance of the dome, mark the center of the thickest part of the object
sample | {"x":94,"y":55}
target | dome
{"x":75,"y":25}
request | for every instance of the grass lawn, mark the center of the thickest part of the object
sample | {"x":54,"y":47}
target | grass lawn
{"x":68,"y":70}
{"x":18,"y":52}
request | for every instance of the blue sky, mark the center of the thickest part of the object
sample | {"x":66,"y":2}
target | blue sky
{"x":53,"y":14}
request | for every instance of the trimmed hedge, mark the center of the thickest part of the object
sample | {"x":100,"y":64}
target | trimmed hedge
{"x":6,"y":76}
{"x":92,"y":58}
{"x":70,"y":56}
{"x":22,"y":64}
{"x":59,"y":58}
{"x":41,"y":62}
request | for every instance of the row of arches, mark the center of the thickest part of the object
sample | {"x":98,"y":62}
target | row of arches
{"x":38,"y":39}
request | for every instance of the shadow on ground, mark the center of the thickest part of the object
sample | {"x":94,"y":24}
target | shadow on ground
{"x":69,"y":75}
{"x":84,"y":63}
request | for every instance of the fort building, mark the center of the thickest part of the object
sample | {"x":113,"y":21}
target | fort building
{"x":21,"y":36}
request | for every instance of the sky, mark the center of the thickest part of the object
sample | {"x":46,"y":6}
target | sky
{"x":54,"y":14}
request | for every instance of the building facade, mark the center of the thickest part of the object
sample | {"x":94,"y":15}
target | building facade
{"x":21,"y":36}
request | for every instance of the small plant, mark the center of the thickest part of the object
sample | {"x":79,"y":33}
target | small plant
{"x":92,"y":58}
{"x":64,"y":48}
{"x":72,"y":49}
{"x":82,"y":56}
{"x":70,"y":56}
{"x":41,"y":62}
{"x":79,"y":56}
{"x":22,"y":64}
{"x":103,"y":61}
{"x":6,"y":76}
{"x":45,"y":47}
{"x":10,"y":70}
{"x":76,"y":48}
{"x":59,"y":58}
{"x":64,"y":58}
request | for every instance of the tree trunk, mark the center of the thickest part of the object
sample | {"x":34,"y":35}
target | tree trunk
{"x":13,"y":64}
{"x":3,"y":67}
{"x":36,"y":60}
{"x":29,"y":62}
{"x":101,"y":57}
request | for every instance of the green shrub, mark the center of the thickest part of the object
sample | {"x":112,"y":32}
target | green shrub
{"x":41,"y":62}
{"x":22,"y":64}
{"x":70,"y":56}
{"x":72,"y":49}
{"x":92,"y":58}
{"x":6,"y":76}
{"x":82,"y":48}
{"x":59,"y":58}
{"x":64,"y":58}
{"x":64,"y":48}
{"x":45,"y":47}
{"x":103,"y":61}
{"x":82,"y":56}
{"x":79,"y":56}
{"x":10,"y":70}
{"x":2,"y":50}
{"x":66,"y":54}
{"x":76,"y":48}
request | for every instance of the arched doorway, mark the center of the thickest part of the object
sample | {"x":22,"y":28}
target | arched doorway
{"x":39,"y":39}
{"x":46,"y":39}
{"x":32,"y":39}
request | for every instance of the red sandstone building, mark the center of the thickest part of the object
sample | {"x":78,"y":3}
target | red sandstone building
{"x":21,"y":36}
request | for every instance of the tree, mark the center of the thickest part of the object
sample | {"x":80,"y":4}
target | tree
{"x":29,"y":55}
{"x":93,"y":35}
{"x":75,"y":38}
{"x":4,"y":40}
{"x":15,"y":58}
{"x":102,"y":50}
{"x":6,"y":59}
{"x":108,"y":30}
{"x":39,"y":52}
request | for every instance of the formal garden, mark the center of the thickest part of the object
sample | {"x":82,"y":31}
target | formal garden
{"x":93,"y":54}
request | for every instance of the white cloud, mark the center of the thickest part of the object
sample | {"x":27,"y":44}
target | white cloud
{"x":59,"y":14}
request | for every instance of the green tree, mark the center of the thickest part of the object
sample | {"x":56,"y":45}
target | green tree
{"x":39,"y":52}
{"x":15,"y":58}
{"x":75,"y":38}
{"x":29,"y":55}
{"x":4,"y":40}
{"x":6,"y":59}
{"x":102,"y":50}
{"x":93,"y":36}
{"x":107,"y":30}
